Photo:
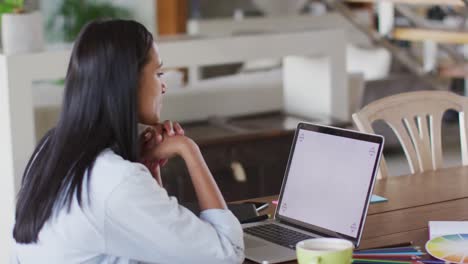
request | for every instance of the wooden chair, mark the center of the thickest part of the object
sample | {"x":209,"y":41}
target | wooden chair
{"x":416,"y":119}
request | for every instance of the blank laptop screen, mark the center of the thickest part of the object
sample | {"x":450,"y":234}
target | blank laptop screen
{"x":328,"y":181}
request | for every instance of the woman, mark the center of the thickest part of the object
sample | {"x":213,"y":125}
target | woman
{"x":85,"y":195}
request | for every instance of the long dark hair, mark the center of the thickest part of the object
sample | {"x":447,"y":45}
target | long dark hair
{"x":99,"y":111}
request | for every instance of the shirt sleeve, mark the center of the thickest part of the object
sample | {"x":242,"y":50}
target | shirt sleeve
{"x":143,"y":223}
{"x":13,"y":256}
{"x":14,"y":259}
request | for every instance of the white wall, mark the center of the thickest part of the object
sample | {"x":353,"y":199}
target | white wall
{"x":7,"y":184}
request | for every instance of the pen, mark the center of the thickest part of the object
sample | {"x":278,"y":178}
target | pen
{"x":401,"y":257}
{"x":388,"y":250}
{"x":432,"y":262}
{"x":256,"y":219}
{"x":404,"y":244}
{"x":262,"y":207}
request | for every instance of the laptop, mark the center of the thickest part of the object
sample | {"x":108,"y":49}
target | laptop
{"x":326,"y":192}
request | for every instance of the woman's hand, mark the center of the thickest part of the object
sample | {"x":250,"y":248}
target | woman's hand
{"x":169,"y":145}
{"x":177,"y":145}
{"x":153,"y":136}
{"x":167,"y":129}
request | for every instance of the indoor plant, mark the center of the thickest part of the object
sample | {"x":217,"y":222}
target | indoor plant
{"x":21,"y":31}
{"x":72,"y":15}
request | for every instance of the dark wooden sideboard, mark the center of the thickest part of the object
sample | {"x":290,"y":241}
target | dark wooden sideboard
{"x":246,"y":155}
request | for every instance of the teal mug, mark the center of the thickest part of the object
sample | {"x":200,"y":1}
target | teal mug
{"x":324,"y":251}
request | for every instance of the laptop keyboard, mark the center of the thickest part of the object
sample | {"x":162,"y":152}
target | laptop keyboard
{"x":277,"y":234}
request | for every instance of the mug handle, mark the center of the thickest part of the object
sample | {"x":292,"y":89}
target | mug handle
{"x":315,"y":260}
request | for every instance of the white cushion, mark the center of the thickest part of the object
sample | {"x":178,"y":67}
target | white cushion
{"x":373,"y":63}
{"x":240,"y":94}
{"x":307,"y":86}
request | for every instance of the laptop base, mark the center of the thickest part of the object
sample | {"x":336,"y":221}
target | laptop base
{"x":261,"y":251}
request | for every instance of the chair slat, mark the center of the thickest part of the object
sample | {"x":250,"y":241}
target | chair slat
{"x":436,"y":140}
{"x":421,"y":139}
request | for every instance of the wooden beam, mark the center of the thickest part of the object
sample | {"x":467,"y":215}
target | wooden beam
{"x":172,"y":16}
{"x":414,"y":2}
{"x":454,"y":71}
{"x":439,"y":36}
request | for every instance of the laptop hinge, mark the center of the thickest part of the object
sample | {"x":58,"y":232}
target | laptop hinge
{"x":302,"y":228}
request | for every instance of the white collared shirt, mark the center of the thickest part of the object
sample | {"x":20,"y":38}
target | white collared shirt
{"x":131,"y":219}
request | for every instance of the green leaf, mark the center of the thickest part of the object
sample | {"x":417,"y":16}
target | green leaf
{"x":6,"y":8}
{"x":16,"y":3}
{"x":75,"y":14}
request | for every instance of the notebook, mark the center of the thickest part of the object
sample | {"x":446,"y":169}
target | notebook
{"x":442,"y":228}
{"x":377,"y":199}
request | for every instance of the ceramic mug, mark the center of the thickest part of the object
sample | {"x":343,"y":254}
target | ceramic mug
{"x":324,"y":251}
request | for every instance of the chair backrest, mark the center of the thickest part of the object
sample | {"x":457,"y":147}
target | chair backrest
{"x":416,"y":119}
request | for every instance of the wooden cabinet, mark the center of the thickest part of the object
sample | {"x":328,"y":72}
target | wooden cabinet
{"x":261,"y":161}
{"x":247,"y":160}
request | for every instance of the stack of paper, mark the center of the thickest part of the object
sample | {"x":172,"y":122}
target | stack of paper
{"x":442,"y":228}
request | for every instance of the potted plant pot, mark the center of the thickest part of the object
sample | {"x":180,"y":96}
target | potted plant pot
{"x":22,"y":33}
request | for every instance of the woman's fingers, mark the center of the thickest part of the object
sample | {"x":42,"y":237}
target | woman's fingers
{"x":154,"y":135}
{"x":163,"y":162}
{"x":146,"y":135}
{"x":169,"y":127}
{"x":159,"y":133}
{"x":154,"y":168}
{"x":178,"y":129}
{"x":146,"y":138}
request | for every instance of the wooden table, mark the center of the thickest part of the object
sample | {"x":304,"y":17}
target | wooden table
{"x":412,"y":202}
